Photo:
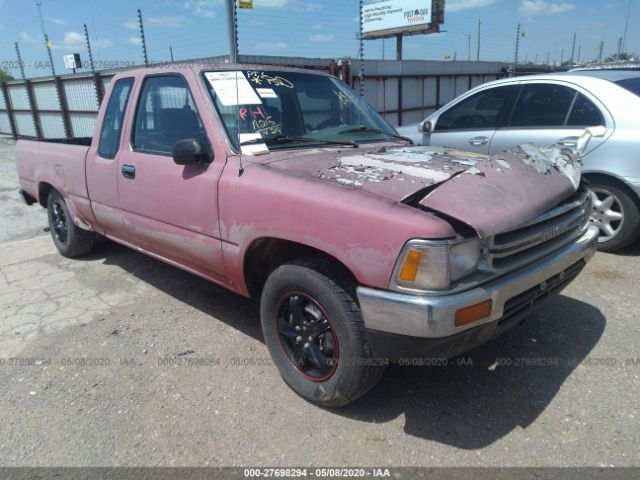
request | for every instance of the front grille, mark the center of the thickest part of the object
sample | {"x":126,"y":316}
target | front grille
{"x":549,"y":232}
{"x":530,"y":298}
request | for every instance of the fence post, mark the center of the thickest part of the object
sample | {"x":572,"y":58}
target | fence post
{"x":64,"y":108}
{"x":34,"y":108}
{"x":97,"y":81}
{"x":7,"y":102}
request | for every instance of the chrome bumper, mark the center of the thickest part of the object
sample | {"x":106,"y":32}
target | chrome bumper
{"x":433,"y":316}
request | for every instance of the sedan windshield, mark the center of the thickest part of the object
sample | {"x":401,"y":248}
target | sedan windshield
{"x":292,"y":110}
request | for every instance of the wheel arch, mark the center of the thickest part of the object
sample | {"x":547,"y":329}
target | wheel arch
{"x":44,"y":189}
{"x":593,"y":177}
{"x":265,"y":254}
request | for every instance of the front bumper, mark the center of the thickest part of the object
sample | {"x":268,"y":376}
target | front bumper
{"x":514,"y":296}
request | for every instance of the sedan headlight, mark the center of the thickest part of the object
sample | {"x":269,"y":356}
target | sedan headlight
{"x":435,"y":265}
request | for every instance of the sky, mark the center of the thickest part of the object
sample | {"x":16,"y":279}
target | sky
{"x":307,"y":28}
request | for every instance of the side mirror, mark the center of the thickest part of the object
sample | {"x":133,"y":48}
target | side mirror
{"x":191,"y":152}
{"x":425,"y":126}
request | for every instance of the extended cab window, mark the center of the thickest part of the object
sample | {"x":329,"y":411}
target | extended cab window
{"x":113,"y":117}
{"x":482,"y":110}
{"x":166,"y":114}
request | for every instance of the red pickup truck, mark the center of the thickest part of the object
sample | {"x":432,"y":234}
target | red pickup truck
{"x":283,"y":185}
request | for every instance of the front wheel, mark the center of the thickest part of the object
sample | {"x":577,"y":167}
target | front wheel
{"x":315,"y":334}
{"x":69,"y":239}
{"x":615,"y":214}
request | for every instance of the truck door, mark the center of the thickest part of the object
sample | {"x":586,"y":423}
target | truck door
{"x":102,"y":165}
{"x":171,"y":210}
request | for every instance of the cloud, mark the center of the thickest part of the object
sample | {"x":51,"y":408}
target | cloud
{"x":610,"y":6}
{"x":57,"y":21}
{"x":31,"y":40}
{"x":317,"y":27}
{"x":542,"y":7}
{"x":453,"y":6}
{"x":177,"y":21}
{"x":271,"y":46}
{"x":202,"y":8}
{"x":131,"y":24}
{"x":313,"y":7}
{"x":76,"y":41}
{"x":272,"y":3}
{"x":321,"y":37}
{"x":134,"y":41}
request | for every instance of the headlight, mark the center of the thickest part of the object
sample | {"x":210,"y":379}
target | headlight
{"x":435,"y":265}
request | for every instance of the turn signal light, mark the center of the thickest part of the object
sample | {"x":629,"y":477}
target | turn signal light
{"x":410,"y":267}
{"x":475,"y":312}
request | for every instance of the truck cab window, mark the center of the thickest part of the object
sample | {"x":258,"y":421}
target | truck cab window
{"x":114,"y":115}
{"x":166,"y":114}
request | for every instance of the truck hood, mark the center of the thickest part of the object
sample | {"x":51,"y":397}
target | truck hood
{"x":490,"y":194}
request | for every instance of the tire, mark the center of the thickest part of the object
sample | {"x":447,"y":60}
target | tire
{"x":70,"y":240}
{"x":616,"y":214}
{"x":310,"y":294}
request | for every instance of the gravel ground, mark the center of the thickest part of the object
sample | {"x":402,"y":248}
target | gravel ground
{"x":117,"y":359}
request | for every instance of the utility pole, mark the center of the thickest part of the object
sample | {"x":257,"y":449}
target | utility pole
{"x":600,"y":50}
{"x":579,"y":53}
{"x":171,"y":52}
{"x":232,"y":27}
{"x":143,"y":42}
{"x":619,"y":49}
{"x":573,"y":48}
{"x":561,"y":57}
{"x":478,"y":54}
{"x":515,"y":58}
{"x":626,"y":27}
{"x":361,"y":72}
{"x":20,"y":61}
{"x":469,"y":47}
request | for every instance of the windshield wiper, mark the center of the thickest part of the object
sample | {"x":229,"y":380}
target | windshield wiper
{"x":376,"y":130}
{"x":281,"y":139}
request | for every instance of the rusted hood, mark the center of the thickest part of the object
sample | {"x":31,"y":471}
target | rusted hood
{"x":491,"y":194}
{"x":392,"y":172}
{"x":508,"y":189}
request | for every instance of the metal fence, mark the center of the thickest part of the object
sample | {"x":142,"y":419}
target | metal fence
{"x":402,"y":91}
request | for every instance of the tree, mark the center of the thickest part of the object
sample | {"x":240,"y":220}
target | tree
{"x":624,"y":56}
{"x":4,"y":75}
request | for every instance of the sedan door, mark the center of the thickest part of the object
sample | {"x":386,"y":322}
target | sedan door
{"x":547,"y":113}
{"x":471,"y":123}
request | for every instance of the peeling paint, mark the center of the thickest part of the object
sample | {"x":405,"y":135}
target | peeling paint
{"x":545,"y":158}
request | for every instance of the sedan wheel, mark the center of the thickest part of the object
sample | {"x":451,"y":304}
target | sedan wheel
{"x":607,"y":215}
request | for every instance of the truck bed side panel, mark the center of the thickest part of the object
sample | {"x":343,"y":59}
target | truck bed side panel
{"x":62,"y":166}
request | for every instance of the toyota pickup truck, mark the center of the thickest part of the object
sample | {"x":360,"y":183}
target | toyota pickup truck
{"x":283,"y":185}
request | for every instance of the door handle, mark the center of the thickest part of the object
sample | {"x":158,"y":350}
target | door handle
{"x":128,"y":171}
{"x":479,"y":141}
{"x":569,"y":141}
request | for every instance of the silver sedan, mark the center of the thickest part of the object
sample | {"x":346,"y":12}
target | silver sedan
{"x":555,"y":108}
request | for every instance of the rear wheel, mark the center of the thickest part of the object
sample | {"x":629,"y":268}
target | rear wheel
{"x":315,"y":334}
{"x":69,"y":239}
{"x":615,"y":214}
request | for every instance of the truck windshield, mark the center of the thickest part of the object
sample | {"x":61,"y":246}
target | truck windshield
{"x":292,"y":109}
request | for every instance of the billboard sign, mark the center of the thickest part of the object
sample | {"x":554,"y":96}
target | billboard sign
{"x":72,"y":61}
{"x":394,"y":17}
